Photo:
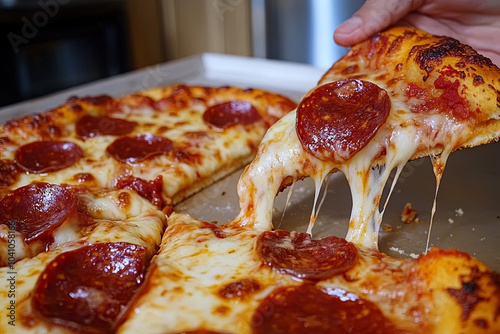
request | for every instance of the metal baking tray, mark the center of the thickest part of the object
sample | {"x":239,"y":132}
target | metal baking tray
{"x":468,"y":203}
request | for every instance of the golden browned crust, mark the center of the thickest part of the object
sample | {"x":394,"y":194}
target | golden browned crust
{"x":464,"y":291}
{"x":408,"y":55}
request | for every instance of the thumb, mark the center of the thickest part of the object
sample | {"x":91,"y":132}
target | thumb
{"x":372,"y":17}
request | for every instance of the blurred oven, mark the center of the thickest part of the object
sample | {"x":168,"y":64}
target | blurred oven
{"x":50,"y":45}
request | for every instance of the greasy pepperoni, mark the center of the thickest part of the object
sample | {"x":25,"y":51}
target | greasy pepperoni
{"x":308,"y":309}
{"x":298,"y":255}
{"x":89,"y":287}
{"x":90,"y":126}
{"x":140,"y":148}
{"x":150,"y":190}
{"x":338,"y":119}
{"x":48,"y":156}
{"x":226,"y":114}
{"x":37,"y":209}
{"x":239,"y":289}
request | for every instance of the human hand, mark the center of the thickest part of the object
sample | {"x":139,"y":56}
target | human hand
{"x":472,"y":22}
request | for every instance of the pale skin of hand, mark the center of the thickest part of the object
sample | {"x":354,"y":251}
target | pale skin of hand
{"x":472,"y":22}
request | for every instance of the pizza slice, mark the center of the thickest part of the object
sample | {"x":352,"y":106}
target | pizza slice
{"x":165,"y":143}
{"x":76,"y":259}
{"x":401,"y":95}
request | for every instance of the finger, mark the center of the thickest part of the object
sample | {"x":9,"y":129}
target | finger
{"x":372,"y":17}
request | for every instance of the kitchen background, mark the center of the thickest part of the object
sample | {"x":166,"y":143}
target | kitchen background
{"x":49,"y":45}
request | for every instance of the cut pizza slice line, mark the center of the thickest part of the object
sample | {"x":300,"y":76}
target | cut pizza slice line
{"x":401,"y":95}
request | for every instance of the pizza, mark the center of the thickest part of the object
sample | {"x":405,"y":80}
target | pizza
{"x":371,"y":112}
{"x":85,"y":190}
{"x":165,"y":143}
{"x":132,"y":264}
{"x":94,"y":254}
{"x":235,"y":279}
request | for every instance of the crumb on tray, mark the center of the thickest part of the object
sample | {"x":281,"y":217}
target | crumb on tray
{"x":409,"y":215}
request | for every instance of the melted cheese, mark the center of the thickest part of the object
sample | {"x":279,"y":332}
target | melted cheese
{"x":404,"y":136}
{"x":192,"y":265}
{"x":182,"y":289}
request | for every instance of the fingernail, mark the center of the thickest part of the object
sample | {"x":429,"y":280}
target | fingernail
{"x":349,"y":26}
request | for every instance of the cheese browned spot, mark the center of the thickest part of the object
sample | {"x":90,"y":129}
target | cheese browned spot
{"x":239,"y":289}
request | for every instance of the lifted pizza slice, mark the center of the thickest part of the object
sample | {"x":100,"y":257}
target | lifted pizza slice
{"x":401,"y":95}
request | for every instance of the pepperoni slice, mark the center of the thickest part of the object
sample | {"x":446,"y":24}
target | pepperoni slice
{"x":90,"y":126}
{"x":150,"y":190}
{"x":89,"y":287}
{"x":37,"y":209}
{"x":307,"y":309}
{"x":48,"y":156}
{"x":226,"y":114}
{"x":338,"y":119}
{"x":140,"y":148}
{"x":298,"y":255}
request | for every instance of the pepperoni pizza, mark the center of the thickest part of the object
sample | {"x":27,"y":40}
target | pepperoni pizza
{"x":165,"y":143}
{"x":85,"y":189}
{"x":401,"y":95}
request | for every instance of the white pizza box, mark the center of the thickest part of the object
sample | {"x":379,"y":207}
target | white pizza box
{"x":468,"y":202}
